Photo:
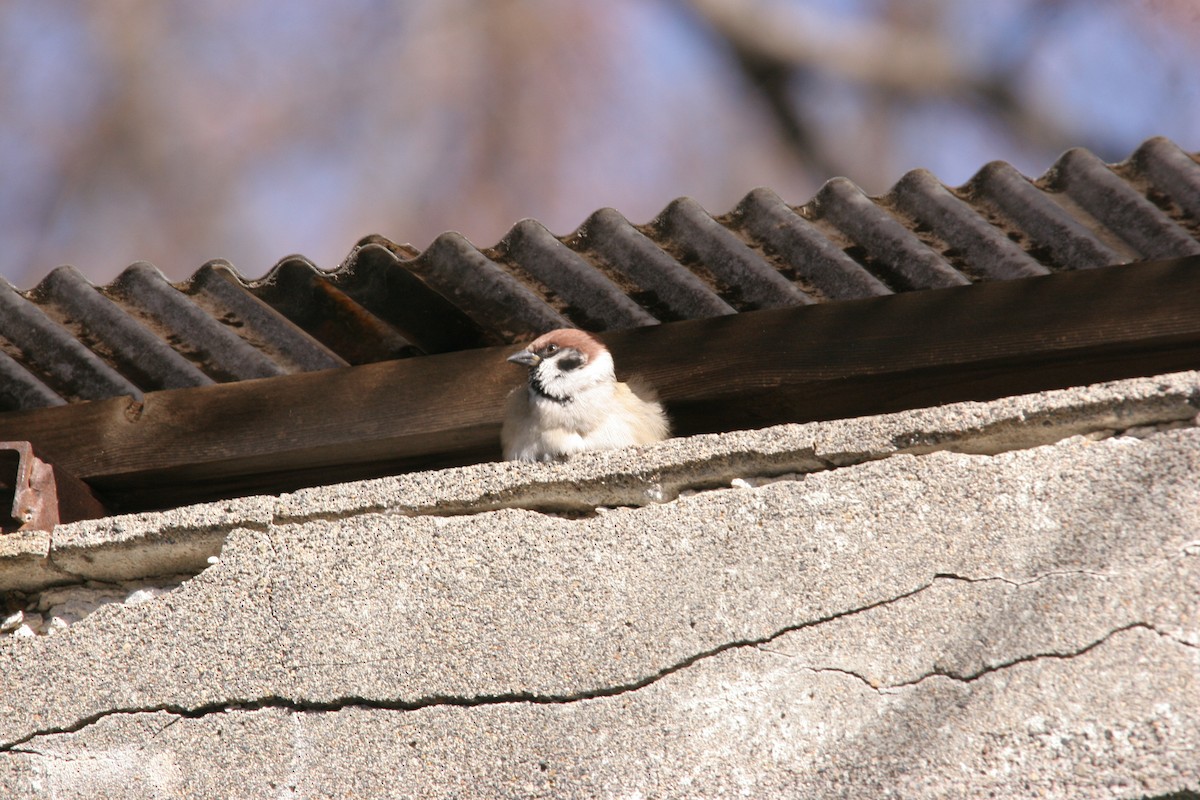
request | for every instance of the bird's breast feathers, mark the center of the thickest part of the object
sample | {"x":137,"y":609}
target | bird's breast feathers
{"x":607,"y":416}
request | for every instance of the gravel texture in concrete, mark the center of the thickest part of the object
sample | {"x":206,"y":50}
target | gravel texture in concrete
{"x":864,"y":613}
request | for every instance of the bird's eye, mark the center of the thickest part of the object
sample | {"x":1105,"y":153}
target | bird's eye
{"x":551,"y":349}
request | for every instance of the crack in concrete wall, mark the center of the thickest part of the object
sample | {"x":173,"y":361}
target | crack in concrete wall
{"x":304,"y":716}
{"x":904,"y":586}
{"x":418,"y":704}
{"x":988,"y":670}
{"x":339,"y":704}
{"x":1002,"y":426}
{"x":761,"y":644}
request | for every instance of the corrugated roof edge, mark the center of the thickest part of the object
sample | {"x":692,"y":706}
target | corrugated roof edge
{"x":1168,"y":177}
{"x":686,"y":263}
{"x":611,"y":274}
{"x":389,"y":300}
{"x":1153,"y":197}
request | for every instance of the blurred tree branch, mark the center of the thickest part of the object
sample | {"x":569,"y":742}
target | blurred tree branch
{"x":868,"y":51}
{"x":900,"y":57}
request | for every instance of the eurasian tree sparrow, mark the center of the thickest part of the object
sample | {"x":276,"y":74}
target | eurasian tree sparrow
{"x":574,"y":402}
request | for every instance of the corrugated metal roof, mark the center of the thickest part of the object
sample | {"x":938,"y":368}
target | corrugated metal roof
{"x":68,"y":341}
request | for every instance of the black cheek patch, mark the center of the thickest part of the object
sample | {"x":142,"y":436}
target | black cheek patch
{"x":568,"y":363}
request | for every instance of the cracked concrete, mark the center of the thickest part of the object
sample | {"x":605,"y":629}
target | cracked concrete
{"x":956,"y":602}
{"x":185,"y":540}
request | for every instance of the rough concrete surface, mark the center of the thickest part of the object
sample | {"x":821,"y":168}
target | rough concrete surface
{"x":890,"y":618}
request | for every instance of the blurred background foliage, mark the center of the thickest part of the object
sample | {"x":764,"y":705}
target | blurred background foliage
{"x":177,"y":132}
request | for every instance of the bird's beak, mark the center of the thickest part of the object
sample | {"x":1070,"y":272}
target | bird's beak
{"x":525,"y":357}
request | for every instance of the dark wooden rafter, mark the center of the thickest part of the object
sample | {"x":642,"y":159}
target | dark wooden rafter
{"x":747,"y":370}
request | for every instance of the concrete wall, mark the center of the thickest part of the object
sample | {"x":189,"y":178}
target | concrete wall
{"x":995,"y":599}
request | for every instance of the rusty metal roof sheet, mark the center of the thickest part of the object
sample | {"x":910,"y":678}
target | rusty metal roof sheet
{"x":66,"y":340}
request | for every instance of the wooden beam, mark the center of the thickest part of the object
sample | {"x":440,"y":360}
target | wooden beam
{"x":920,"y":349}
{"x":750,"y":370}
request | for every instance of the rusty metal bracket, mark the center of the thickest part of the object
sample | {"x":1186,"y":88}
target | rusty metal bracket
{"x":35,"y":495}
